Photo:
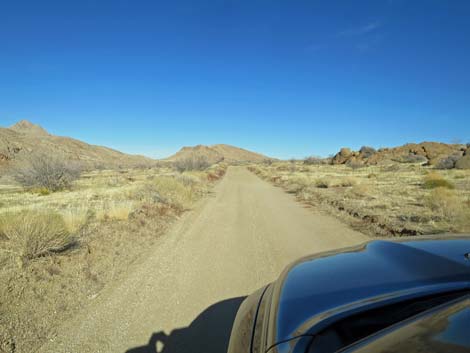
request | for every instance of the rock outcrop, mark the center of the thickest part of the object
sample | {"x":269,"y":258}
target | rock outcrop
{"x":464,"y":162}
{"x":431,"y":153}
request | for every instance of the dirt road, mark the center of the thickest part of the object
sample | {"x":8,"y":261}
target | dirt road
{"x":183,"y":297}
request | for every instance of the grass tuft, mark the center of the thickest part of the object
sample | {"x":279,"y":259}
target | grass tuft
{"x":31,"y":234}
{"x":435,"y":180}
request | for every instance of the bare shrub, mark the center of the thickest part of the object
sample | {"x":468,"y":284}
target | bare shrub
{"x":435,"y":180}
{"x":188,"y":179}
{"x":410,"y":158}
{"x":361,"y":190}
{"x":345,"y":182}
{"x":193,"y":162}
{"x":46,"y":172}
{"x":267,"y":161}
{"x":313,"y":160}
{"x":32,"y":234}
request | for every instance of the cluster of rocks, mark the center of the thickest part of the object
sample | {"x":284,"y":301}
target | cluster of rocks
{"x":439,"y":155}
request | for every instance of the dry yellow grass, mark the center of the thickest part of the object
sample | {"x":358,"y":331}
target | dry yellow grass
{"x":75,"y":218}
{"x":111,"y":216}
{"x":115,"y":210}
{"x":394,"y":199}
{"x":31,"y":234}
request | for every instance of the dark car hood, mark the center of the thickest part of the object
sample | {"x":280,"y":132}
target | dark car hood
{"x":316,"y":291}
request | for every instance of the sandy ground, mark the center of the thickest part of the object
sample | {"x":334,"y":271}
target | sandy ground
{"x":183,"y":297}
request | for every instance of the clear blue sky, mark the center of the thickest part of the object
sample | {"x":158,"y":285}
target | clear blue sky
{"x":286,"y":78}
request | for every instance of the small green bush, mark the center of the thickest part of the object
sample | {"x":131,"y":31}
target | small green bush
{"x":434,"y":180}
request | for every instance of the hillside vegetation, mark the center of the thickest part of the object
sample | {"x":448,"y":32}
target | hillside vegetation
{"x":24,"y":141}
{"x":392,"y":199}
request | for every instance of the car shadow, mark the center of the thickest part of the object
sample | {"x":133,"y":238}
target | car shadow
{"x":208,"y":333}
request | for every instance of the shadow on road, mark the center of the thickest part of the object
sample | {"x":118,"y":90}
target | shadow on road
{"x":208,"y":333}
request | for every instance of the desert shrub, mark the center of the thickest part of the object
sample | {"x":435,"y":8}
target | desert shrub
{"x":193,"y":162}
{"x":32,"y":234}
{"x":345,"y":182}
{"x":254,"y":169}
{"x":322,"y":183}
{"x":292,"y":165}
{"x":355,"y":165}
{"x":117,"y":210}
{"x":120,"y":210}
{"x":42,"y":191}
{"x":267,"y":161}
{"x":296,"y":183}
{"x":410,"y":158}
{"x":51,"y":173}
{"x":390,"y":168}
{"x":188,"y":179}
{"x":312,"y":160}
{"x":361,"y":190}
{"x":444,"y":201}
{"x":147,"y":193}
{"x":435,"y":180}
{"x":174,"y":192}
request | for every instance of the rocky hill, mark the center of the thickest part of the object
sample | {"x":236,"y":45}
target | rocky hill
{"x":24,"y":140}
{"x":440,"y":155}
{"x":217,"y":153}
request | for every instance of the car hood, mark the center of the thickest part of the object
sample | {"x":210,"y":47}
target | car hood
{"x":318,"y":290}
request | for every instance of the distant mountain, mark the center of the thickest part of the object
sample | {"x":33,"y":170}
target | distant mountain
{"x":24,"y":140}
{"x":216,"y":153}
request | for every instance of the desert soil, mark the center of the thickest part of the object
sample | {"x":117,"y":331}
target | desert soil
{"x":183,"y":297}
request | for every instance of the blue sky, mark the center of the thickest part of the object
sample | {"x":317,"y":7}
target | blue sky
{"x":286,"y":78}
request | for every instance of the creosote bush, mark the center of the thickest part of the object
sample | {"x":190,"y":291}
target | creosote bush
{"x":31,"y":234}
{"x":435,"y":180}
{"x":191,"y":163}
{"x":47,"y":173}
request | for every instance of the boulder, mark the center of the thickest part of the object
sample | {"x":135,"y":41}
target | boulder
{"x":342,"y":156}
{"x":463,"y":163}
{"x":366,"y":152}
{"x":448,"y":162}
{"x":345,"y":152}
